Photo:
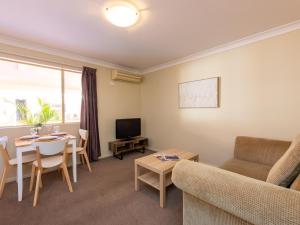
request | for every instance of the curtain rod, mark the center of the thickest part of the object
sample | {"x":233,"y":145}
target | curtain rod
{"x":38,"y":62}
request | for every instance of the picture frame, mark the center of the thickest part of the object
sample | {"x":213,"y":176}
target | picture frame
{"x":203,"y":93}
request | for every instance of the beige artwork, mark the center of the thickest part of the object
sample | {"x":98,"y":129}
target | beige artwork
{"x":199,"y":93}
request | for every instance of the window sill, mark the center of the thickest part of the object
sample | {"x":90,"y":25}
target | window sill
{"x":28,"y":126}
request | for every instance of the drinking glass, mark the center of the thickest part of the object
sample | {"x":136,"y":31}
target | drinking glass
{"x":56,"y":129}
{"x":33,"y":131}
{"x":49,"y":128}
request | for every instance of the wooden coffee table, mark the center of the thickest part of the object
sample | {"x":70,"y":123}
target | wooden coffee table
{"x":159,"y":172}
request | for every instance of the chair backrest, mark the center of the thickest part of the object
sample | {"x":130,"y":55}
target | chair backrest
{"x":84,"y":135}
{"x":4,"y":141}
{"x":51,"y":147}
{"x":3,"y":149}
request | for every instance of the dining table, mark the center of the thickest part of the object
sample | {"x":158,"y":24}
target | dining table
{"x":26,"y":145}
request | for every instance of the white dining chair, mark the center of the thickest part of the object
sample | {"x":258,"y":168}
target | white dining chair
{"x":9,"y":163}
{"x":52,"y":150}
{"x":81,"y":149}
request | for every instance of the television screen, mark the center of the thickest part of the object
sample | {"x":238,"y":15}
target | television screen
{"x":128,"y":128}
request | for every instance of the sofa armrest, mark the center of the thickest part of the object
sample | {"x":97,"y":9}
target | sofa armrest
{"x":259,"y":150}
{"x":254,"y":201}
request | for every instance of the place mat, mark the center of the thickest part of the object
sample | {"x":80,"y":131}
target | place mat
{"x":59,"y":134}
{"x":47,"y":138}
{"x":27,"y":137}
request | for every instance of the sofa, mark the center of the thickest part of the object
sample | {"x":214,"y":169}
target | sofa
{"x":245,"y":190}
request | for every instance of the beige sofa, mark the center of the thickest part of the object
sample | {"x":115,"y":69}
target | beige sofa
{"x":237,"y":193}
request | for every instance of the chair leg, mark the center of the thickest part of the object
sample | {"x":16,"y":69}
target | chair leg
{"x":41,"y":181}
{"x":82,"y":159}
{"x":87,"y":161}
{"x":67,"y":158}
{"x":66,"y":173}
{"x":32,"y":178}
{"x":3,"y":178}
{"x":37,"y":187}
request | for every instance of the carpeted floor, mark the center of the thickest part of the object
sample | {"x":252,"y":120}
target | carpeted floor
{"x":106,"y":196}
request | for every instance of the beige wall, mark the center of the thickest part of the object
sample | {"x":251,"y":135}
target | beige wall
{"x":260,"y":86}
{"x":115,"y":100}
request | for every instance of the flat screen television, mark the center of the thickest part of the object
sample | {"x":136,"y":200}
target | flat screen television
{"x":128,"y":128}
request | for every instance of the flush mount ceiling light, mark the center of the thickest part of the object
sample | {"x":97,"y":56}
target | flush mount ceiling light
{"x":122,"y":14}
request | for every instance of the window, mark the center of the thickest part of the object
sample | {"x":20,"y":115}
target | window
{"x":25,"y":87}
{"x":72,"y":96}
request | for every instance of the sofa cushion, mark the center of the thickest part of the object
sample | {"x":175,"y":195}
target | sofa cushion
{"x":260,"y":150}
{"x":280,"y":174}
{"x":296,"y":184}
{"x":249,"y":169}
{"x":288,"y":181}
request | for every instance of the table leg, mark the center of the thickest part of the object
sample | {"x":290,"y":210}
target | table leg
{"x":19,"y":174}
{"x":74,"y":160}
{"x":136,"y":175}
{"x":162,"y":190}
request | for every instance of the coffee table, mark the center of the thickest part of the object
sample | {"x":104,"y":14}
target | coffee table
{"x":159,"y":172}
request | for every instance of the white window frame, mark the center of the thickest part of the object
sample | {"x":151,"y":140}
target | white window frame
{"x":48,"y":65}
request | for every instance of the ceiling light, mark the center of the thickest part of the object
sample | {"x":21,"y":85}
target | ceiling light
{"x":122,"y":14}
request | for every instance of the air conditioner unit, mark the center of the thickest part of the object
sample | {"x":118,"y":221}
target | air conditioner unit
{"x":123,"y":76}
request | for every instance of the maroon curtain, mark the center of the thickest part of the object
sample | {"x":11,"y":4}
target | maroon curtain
{"x":89,"y":112}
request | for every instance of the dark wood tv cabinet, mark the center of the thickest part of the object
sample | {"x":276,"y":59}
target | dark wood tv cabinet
{"x":119,"y":147}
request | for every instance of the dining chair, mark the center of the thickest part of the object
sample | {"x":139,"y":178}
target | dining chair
{"x":9,"y":163}
{"x":48,"y":155}
{"x":81,"y":150}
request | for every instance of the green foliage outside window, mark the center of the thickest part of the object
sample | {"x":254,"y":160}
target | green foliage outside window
{"x":43,"y":116}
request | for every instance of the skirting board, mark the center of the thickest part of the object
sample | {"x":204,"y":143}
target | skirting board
{"x":154,"y":149}
{"x":105,"y":156}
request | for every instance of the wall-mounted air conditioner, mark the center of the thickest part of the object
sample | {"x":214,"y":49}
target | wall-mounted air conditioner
{"x":123,"y":76}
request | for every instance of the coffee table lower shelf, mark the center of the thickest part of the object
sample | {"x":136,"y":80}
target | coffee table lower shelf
{"x":152,"y":179}
{"x":158,"y":173}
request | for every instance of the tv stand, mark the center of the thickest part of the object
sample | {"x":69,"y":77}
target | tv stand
{"x":119,"y":147}
{"x":127,"y":139}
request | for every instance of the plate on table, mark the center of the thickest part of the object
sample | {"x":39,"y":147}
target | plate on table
{"x":47,"y":138}
{"x":27,"y":137}
{"x":59,"y":134}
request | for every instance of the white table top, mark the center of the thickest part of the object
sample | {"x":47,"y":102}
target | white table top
{"x":28,"y":142}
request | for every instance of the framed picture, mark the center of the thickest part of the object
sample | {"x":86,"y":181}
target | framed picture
{"x":199,"y":93}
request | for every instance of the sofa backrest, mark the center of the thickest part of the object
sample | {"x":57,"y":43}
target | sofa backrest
{"x":259,"y":150}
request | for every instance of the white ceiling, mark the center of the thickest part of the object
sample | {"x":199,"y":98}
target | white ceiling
{"x":168,"y":29}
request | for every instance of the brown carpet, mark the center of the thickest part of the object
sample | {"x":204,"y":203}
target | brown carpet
{"x":105,"y":197}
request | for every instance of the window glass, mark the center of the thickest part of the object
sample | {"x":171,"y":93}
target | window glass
{"x":72,"y":83}
{"x":29,"y":94}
